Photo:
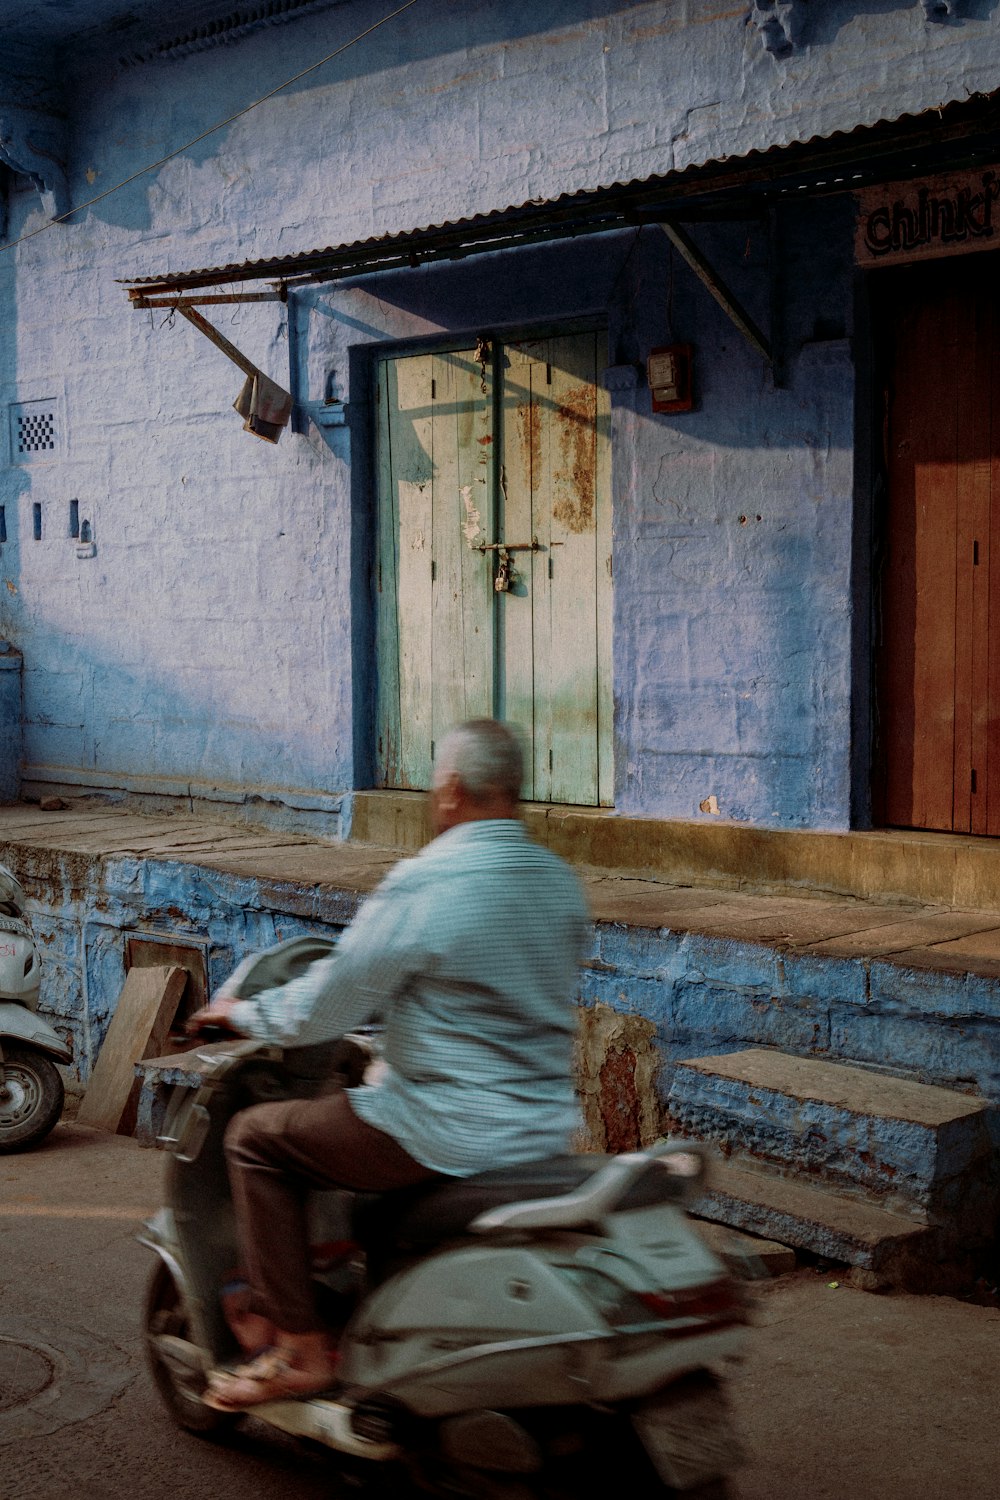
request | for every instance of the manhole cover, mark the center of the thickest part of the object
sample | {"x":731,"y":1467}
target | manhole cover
{"x":24,"y":1373}
{"x":44,"y":1387}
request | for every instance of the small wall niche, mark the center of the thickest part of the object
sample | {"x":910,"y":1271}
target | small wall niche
{"x":150,"y":952}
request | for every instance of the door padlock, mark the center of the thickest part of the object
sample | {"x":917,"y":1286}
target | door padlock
{"x":503,"y":580}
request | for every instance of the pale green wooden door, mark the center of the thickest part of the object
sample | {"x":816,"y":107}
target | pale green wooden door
{"x":470,"y":454}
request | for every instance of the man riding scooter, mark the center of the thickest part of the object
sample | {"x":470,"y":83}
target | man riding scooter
{"x":468,"y":954}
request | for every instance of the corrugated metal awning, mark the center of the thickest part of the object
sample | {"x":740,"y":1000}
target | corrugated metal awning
{"x":959,"y":135}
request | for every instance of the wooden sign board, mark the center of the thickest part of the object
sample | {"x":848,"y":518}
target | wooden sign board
{"x":903,"y":222}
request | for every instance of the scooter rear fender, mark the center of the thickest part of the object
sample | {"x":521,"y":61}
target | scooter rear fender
{"x":21,"y":1025}
{"x":159,"y":1235}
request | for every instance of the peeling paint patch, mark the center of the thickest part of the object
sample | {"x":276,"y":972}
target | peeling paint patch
{"x":472,"y":526}
{"x":617,"y":1066}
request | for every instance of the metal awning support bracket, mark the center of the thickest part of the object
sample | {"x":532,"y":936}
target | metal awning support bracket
{"x":713,"y":282}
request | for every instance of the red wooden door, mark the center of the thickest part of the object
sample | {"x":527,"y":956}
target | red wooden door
{"x":937,"y":757}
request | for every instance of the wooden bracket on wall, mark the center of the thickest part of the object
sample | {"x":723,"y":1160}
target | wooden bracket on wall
{"x":219,"y":340}
{"x":717,"y":287}
{"x":264,"y":405}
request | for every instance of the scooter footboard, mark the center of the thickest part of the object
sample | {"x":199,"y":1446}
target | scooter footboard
{"x":688,"y":1433}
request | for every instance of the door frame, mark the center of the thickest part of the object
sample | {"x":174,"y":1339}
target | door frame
{"x":872,"y":519}
{"x":364,"y":363}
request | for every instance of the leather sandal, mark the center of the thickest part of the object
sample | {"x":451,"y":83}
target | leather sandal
{"x":269,"y":1377}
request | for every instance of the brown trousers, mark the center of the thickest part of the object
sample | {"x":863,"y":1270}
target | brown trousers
{"x":277,"y":1153}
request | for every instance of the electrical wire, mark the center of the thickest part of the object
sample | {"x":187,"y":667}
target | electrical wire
{"x":221,"y":125}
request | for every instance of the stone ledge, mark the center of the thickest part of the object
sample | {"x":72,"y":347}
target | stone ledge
{"x":928,"y":869}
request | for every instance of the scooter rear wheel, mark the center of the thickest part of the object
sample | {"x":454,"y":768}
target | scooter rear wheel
{"x":164,"y":1314}
{"x":31,"y":1099}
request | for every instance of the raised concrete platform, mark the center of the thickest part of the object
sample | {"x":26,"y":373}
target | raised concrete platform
{"x":678,"y":971}
{"x":888,"y":1249}
{"x":299,"y":871}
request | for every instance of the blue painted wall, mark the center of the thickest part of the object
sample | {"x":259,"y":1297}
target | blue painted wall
{"x":214,"y":644}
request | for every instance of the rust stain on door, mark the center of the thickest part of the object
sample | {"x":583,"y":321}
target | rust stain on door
{"x":575,"y":424}
{"x":529,"y":422}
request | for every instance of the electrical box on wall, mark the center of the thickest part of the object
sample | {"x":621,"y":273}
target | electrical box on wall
{"x":668,"y":373}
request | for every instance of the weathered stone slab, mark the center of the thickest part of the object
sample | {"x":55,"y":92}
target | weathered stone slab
{"x":811,"y":1218}
{"x":936,"y":928}
{"x":903,"y":1144}
{"x":747,"y":1253}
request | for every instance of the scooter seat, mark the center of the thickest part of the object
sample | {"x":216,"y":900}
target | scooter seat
{"x":416,"y":1218}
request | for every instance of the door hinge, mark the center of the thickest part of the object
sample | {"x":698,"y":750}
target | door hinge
{"x":550,"y":760}
{"x":434,"y":570}
{"x":975,"y":554}
{"x":434,"y":390}
{"x":973,"y":782}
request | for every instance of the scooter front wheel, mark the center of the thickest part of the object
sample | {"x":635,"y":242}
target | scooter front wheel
{"x":31,"y":1097}
{"x":165,"y":1319}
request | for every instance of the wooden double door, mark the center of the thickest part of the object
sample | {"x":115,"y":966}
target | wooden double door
{"x":937,"y":736}
{"x":493,"y":568}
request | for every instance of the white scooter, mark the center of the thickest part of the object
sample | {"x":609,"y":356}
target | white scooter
{"x":553,"y":1329}
{"x":31,"y":1088}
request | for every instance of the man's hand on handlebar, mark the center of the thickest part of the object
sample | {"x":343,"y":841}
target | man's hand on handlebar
{"x":212,"y":1022}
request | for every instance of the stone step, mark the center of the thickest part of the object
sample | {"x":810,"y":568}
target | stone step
{"x":747,"y":1255}
{"x":890,"y":1249}
{"x":907,"y":1148}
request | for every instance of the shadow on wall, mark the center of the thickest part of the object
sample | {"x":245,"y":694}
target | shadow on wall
{"x":825,"y":22}
{"x":15,"y":489}
{"x":221,"y":81}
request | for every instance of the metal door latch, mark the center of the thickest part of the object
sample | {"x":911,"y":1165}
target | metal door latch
{"x":506,"y":575}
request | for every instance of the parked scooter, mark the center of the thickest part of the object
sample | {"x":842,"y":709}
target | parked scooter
{"x":516,"y":1334}
{"x":31,"y":1088}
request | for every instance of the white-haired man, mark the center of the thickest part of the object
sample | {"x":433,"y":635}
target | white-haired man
{"x":468,"y":954}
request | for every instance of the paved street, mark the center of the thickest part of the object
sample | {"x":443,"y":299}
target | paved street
{"x":844,"y":1394}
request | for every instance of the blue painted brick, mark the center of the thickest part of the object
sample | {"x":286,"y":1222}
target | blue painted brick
{"x":926,"y":992}
{"x":625,"y":993}
{"x":823,"y":980}
{"x":727,"y":961}
{"x":635,"y":950}
{"x":738,"y":1018}
{"x":956,"y":1056}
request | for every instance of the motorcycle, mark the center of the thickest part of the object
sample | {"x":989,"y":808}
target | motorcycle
{"x":31,"y":1087}
{"x":532,"y":1331}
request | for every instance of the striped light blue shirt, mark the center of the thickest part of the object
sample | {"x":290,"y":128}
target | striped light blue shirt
{"x":468,"y":954}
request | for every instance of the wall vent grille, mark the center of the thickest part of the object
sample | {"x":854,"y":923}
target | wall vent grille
{"x":35,"y":431}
